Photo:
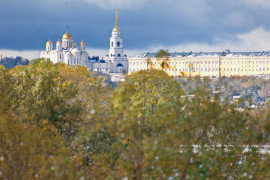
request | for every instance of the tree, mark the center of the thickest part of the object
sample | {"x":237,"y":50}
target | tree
{"x":205,"y":139}
{"x":154,"y":130}
{"x":28,"y":152}
{"x":59,"y":94}
{"x":61,"y":122}
{"x":163,"y":56}
{"x":122,"y":135}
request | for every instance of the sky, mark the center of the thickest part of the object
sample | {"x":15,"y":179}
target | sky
{"x":146,"y":25}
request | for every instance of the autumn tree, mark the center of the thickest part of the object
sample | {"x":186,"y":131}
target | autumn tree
{"x":154,"y":130}
{"x":58,"y":94}
{"x":27,"y":151}
{"x":61,"y":122}
{"x":163,"y":56}
{"x":123,"y":134}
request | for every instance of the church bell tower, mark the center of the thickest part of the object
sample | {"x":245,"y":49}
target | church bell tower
{"x":116,"y":53}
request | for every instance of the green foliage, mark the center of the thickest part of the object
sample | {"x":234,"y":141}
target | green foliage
{"x":46,"y":104}
{"x":58,"y":94}
{"x":162,"y":54}
{"x":26,"y":153}
{"x":154,"y":130}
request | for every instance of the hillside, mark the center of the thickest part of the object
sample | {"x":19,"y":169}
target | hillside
{"x":10,"y":62}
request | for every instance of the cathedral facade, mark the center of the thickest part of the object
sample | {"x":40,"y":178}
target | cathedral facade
{"x":66,"y":51}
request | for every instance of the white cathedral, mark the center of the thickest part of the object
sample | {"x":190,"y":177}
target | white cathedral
{"x":115,"y":63}
{"x":66,"y":51}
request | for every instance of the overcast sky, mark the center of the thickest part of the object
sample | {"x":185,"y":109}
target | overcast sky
{"x":146,"y":25}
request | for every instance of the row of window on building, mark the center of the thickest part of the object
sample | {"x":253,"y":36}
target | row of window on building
{"x":207,"y":69}
{"x":205,"y":62}
{"x":245,"y":62}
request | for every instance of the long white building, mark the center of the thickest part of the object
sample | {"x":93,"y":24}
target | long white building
{"x":203,"y":64}
{"x":66,"y":51}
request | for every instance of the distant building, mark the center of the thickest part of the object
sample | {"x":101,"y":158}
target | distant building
{"x":211,"y":64}
{"x":66,"y":51}
{"x":115,"y":63}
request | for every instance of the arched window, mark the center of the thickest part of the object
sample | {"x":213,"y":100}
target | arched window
{"x":60,"y":56}
{"x":119,"y":67}
{"x":112,"y":44}
{"x":118,"y":44}
{"x":111,"y":55}
{"x":119,"y":55}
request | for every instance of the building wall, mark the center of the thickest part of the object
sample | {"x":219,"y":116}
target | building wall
{"x":101,"y":67}
{"x":76,"y":58}
{"x":204,"y":66}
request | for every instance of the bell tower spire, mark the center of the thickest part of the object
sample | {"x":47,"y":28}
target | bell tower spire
{"x":116,"y":22}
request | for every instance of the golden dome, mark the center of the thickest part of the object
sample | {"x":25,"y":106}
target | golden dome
{"x":116,"y":28}
{"x":49,"y":42}
{"x":82,"y":43}
{"x":67,"y":36}
{"x":58,"y":42}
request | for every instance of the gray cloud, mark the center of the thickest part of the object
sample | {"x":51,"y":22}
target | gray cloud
{"x":257,"y":3}
{"x":255,"y":40}
{"x":26,"y":25}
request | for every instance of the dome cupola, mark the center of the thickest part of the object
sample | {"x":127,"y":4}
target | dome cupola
{"x":49,"y":45}
{"x":82,"y":43}
{"x":49,"y":42}
{"x":58,"y":42}
{"x":67,"y":35}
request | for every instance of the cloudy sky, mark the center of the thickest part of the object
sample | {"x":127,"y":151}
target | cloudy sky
{"x":146,"y":25}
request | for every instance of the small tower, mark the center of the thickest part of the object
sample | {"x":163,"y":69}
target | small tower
{"x":49,"y":45}
{"x":58,"y":45}
{"x":116,"y":43}
{"x":82,"y":45}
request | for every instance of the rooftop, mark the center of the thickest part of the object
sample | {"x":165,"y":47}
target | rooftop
{"x":208,"y":54}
